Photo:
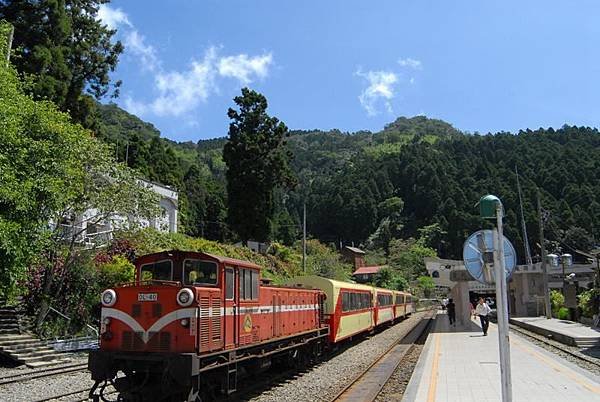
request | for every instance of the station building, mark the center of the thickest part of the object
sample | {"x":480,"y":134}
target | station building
{"x":525,"y":287}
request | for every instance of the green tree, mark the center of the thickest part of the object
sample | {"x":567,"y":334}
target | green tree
{"x":66,"y":49}
{"x":257,"y":162}
{"x":52,"y":171}
{"x":390,"y":279}
{"x":426,"y":285}
{"x":195,"y":191}
{"x":408,"y":257}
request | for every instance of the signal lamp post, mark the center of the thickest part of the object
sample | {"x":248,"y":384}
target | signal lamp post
{"x":491,"y":207}
{"x":564,"y":259}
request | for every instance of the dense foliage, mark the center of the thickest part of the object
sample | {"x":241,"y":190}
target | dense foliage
{"x":417,"y":174}
{"x":257,"y":163}
{"x":65,"y":50}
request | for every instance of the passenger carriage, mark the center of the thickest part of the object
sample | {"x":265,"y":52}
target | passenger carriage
{"x":384,"y":306}
{"x":348,"y":308}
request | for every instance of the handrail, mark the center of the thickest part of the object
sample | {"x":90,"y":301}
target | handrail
{"x":88,"y":326}
{"x":59,"y":313}
{"x":151,"y":282}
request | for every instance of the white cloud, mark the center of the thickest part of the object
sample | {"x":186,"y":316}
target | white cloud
{"x":244,"y":68}
{"x":381,"y":86}
{"x":112,"y":17}
{"x":411,"y":63}
{"x":180,"y":92}
{"x":135,"y":43}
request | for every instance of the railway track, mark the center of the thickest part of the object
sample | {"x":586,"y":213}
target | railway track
{"x":367,"y":385}
{"x":73,"y":393}
{"x":555,"y":345}
{"x":49,"y":372}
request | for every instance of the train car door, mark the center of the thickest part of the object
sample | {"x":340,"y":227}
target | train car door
{"x":230,"y":312}
{"x":276,"y":315}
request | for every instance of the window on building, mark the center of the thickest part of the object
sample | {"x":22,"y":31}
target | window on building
{"x":435,"y":274}
{"x":158,"y":271}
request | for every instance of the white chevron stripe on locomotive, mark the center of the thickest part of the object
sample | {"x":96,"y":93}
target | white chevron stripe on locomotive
{"x":192,"y":313}
{"x":157,"y":326}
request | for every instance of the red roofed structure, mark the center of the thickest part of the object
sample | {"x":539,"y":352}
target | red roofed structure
{"x":366,"y":274}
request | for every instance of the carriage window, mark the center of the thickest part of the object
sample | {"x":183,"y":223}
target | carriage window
{"x":229,"y":279}
{"x":196,"y":272}
{"x":384,"y":300}
{"x":352,"y":301}
{"x":158,"y":271}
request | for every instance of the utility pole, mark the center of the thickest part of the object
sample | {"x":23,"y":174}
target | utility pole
{"x":304,"y":239}
{"x":502,"y":307}
{"x":524,"y":227}
{"x":543,"y":251}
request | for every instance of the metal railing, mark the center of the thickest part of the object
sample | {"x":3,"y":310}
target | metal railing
{"x":67,"y":343}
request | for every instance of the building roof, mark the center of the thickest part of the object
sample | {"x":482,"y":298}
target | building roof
{"x":355,"y":250}
{"x":368,"y":270}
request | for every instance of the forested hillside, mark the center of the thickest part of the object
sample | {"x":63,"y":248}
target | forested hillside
{"x":350,"y":180}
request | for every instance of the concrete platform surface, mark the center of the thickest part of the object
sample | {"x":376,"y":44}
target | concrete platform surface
{"x":462,"y":365}
{"x":568,"y":332}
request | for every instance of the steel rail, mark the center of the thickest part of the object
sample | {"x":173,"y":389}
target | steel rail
{"x":402,"y":351}
{"x":49,"y":372}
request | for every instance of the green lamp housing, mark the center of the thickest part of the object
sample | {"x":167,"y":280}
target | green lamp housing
{"x":487,"y":206}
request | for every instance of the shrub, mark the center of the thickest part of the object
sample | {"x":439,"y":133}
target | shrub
{"x":117,"y":270}
{"x":588,"y":303}
{"x":563,"y":313}
{"x":557,"y":300}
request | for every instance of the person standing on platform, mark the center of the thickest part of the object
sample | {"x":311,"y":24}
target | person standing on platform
{"x":483,"y":311}
{"x":451,"y":308}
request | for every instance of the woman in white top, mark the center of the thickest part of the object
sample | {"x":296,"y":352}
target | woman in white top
{"x":483,"y":311}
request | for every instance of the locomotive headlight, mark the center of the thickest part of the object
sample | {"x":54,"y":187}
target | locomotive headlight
{"x":109,"y":298}
{"x":185,"y":297}
{"x":184,"y":322}
{"x":106,"y":320}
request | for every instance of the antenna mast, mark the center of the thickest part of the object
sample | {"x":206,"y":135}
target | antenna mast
{"x":525,"y":239}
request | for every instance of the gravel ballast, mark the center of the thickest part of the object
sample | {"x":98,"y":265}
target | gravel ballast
{"x":44,"y":387}
{"x":323,"y":381}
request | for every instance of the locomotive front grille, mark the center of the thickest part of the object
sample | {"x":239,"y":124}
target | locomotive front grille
{"x":132,"y":341}
{"x":136,"y":310}
{"x":156,"y":310}
{"x":158,"y":342}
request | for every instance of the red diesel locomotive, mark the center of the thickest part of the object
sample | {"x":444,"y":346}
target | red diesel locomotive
{"x":192,"y":322}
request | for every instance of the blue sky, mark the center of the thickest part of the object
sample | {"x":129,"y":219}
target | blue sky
{"x":479,"y":65}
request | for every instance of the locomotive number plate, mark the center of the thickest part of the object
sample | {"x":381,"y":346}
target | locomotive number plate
{"x":147,"y":297}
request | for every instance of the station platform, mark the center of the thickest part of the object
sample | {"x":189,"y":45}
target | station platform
{"x":461,"y":365}
{"x":567,"y":332}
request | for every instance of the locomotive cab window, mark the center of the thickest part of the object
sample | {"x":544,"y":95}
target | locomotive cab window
{"x":248,"y":284}
{"x":197,"y":272}
{"x":158,"y":271}
{"x":229,"y":283}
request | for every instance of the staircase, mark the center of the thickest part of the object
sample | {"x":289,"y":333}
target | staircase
{"x":24,"y":348}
